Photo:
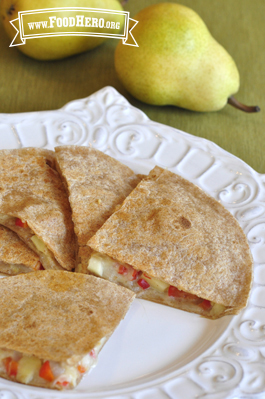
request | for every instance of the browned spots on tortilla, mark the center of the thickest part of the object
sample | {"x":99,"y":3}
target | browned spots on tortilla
{"x":86,"y":310}
{"x":152,"y":215}
{"x":62,"y":285}
{"x":185,"y":222}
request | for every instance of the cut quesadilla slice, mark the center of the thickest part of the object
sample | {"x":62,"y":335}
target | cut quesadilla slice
{"x":34,"y":204}
{"x":55,"y":337}
{"x":96,"y":184}
{"x":15,"y":256}
{"x":173,"y":244}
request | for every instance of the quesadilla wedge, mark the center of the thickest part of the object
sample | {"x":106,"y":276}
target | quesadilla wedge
{"x":173,"y":244}
{"x":15,"y":256}
{"x":96,"y":184}
{"x":34,"y":204}
{"x":55,"y":337}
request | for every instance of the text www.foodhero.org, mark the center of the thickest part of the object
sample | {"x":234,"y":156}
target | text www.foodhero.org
{"x":78,"y":21}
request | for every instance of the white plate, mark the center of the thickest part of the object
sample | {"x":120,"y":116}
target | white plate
{"x":159,"y":352}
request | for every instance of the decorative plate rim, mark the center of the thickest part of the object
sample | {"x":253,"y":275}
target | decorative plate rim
{"x":234,"y":365}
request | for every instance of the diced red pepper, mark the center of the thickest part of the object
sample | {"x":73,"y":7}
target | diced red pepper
{"x":123,"y":270}
{"x":205,"y":305}
{"x":62,"y":383}
{"x":20,"y":223}
{"x":93,"y":354}
{"x":11,"y":366}
{"x":81,"y":369}
{"x":143,"y":284}
{"x":46,"y":372}
{"x":135,"y":274}
{"x":145,"y":275}
{"x":7,"y":361}
{"x":175,"y":292}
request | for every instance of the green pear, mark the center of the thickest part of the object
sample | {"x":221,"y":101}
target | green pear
{"x":52,"y":48}
{"x":177,"y":62}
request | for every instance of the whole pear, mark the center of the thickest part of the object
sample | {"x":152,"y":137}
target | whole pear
{"x":52,"y":48}
{"x":177,"y":62}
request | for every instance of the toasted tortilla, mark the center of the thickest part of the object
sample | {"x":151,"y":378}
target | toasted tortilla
{"x":64,"y":315}
{"x":34,"y":151}
{"x":173,"y":231}
{"x":15,"y":256}
{"x":96,"y":184}
{"x":52,"y":299}
{"x":31,"y":190}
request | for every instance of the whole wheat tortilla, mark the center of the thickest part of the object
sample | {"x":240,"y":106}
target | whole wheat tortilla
{"x":96,"y":184}
{"x":170,"y":229}
{"x":13,"y":251}
{"x":34,"y":151}
{"x":56,"y":315}
{"x":32,"y":191}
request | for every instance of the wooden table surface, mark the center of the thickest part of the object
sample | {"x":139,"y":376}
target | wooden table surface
{"x":30,"y":85}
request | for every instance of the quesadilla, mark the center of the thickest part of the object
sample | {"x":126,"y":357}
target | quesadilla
{"x":34,"y":204}
{"x":15,"y":256}
{"x":96,"y":184}
{"x":55,"y":337}
{"x":173,"y":244}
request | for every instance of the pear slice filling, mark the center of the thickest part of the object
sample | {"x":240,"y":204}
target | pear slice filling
{"x":13,"y":269}
{"x":105,"y":267}
{"x":46,"y":256}
{"x":33,"y":241}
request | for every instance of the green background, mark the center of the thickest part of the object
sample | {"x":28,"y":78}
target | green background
{"x":30,"y":85}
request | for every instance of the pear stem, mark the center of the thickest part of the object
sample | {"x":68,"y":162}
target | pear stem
{"x":233,"y":101}
{"x":124,"y":2}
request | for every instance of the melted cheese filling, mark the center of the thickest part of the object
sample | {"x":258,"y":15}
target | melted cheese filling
{"x":123,"y":274}
{"x":34,"y":371}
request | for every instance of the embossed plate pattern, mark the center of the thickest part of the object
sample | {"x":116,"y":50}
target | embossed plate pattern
{"x":159,"y":352}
